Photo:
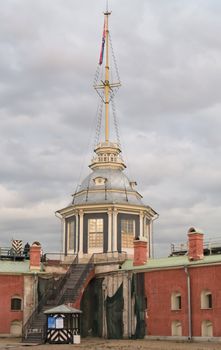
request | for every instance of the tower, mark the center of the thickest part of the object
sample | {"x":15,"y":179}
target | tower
{"x":107,"y":212}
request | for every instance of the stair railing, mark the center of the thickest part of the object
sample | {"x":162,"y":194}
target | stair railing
{"x":45,"y":297}
{"x":79,"y":282}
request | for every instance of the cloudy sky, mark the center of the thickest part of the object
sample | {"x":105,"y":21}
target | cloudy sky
{"x":169,"y":110}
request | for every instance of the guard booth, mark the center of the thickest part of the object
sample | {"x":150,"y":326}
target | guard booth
{"x":63,"y":325}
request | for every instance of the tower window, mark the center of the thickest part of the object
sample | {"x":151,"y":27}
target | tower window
{"x":70,"y":234}
{"x":95,"y":230}
{"x":15,"y":304}
{"x":176,"y":301}
{"x":127,"y":232}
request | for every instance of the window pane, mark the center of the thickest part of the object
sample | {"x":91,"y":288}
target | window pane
{"x":99,"y":225}
{"x":206,"y":300}
{"x":92,"y":225}
{"x":209,"y":296}
{"x":15,"y":304}
{"x":71,"y":231}
{"x":95,"y":232}
{"x":127,"y":232}
{"x":176,"y":301}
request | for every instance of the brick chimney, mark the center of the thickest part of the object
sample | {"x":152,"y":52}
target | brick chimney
{"x":35,"y":256}
{"x":140,"y":252}
{"x":195,"y":244}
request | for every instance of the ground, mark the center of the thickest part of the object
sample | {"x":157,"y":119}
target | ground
{"x":102,"y":344}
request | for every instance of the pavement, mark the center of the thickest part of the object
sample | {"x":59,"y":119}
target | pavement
{"x":106,"y":344}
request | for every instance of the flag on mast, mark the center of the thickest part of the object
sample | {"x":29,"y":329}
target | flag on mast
{"x":102,"y":45}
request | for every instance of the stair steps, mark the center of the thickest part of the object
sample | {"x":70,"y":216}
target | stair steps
{"x":34,"y":329}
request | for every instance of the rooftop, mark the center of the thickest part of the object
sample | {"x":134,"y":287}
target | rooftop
{"x":14,"y":266}
{"x":175,"y":261}
{"x":63,"y":309}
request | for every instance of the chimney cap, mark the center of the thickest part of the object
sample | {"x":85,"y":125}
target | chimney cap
{"x":194,"y":230}
{"x":36,"y":243}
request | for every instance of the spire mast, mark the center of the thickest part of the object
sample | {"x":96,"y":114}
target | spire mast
{"x":106,"y":89}
{"x":106,"y":82}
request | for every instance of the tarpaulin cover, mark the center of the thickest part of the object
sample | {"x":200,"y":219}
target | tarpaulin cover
{"x":92,"y":309}
{"x":137,"y":291}
{"x":114,"y":314}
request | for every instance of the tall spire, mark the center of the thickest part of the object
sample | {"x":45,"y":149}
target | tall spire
{"x":106,"y":86}
{"x":106,"y":82}
{"x":107,"y":152}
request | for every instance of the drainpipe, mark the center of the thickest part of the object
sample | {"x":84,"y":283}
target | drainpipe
{"x":62,"y":247}
{"x":189,"y":303}
{"x":156,"y":216}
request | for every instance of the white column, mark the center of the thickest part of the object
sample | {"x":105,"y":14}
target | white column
{"x":81,"y":213}
{"x":64,"y":243}
{"x":141,"y":224}
{"x":115,"y":230}
{"x":76,"y":232}
{"x":109,"y":230}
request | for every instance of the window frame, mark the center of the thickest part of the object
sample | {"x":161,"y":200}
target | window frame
{"x":127,"y":236}
{"x":96,"y":236}
{"x":206,"y":327}
{"x":15,"y":309}
{"x":176,"y":301}
{"x":206,"y":300}
{"x":176,"y":327}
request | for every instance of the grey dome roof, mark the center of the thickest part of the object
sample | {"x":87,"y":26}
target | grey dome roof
{"x":115,"y":180}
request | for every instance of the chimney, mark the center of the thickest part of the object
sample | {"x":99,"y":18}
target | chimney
{"x":35,"y":256}
{"x":195,"y":244}
{"x":140,"y":252}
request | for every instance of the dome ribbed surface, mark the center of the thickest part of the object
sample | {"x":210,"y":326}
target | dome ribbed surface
{"x":116,"y":181}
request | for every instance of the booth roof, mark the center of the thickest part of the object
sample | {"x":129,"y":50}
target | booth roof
{"x":63,"y":309}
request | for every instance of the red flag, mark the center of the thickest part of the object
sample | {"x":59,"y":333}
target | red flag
{"x":102,"y":45}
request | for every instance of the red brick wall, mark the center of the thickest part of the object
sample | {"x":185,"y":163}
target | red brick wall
{"x":159,"y":285}
{"x":158,"y":289}
{"x":9,"y":287}
{"x":206,"y":278}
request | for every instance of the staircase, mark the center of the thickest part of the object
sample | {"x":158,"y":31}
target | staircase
{"x":66,"y":291}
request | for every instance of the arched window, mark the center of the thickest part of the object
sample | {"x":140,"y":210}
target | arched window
{"x":176,"y":328}
{"x":206,"y":300}
{"x":16,"y":328}
{"x":176,"y":301}
{"x":207,"y":328}
{"x":16,"y":303}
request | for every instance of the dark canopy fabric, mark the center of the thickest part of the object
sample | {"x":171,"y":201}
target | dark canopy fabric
{"x":114,"y":314}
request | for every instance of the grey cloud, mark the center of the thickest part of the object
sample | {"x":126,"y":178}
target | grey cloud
{"x":168,"y":110}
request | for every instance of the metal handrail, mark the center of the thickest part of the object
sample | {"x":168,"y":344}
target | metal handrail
{"x":207,"y":245}
{"x":10,"y":253}
{"x":84,"y":273}
{"x":57,"y":256}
